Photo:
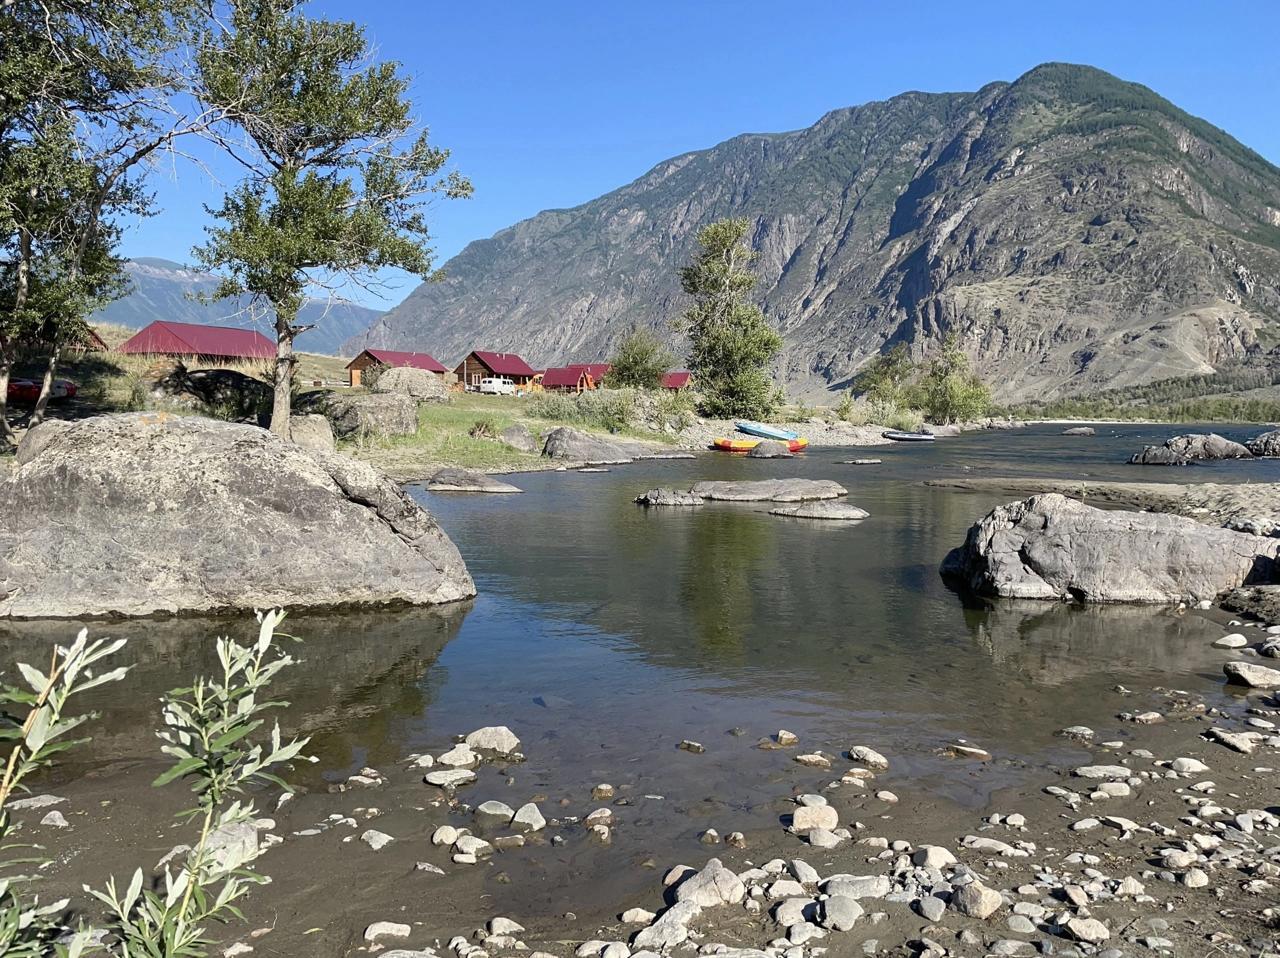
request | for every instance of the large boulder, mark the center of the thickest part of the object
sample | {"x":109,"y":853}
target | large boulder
{"x":769,"y":490}
{"x":419,"y":384}
{"x":1268,"y":444}
{"x":140,"y":513}
{"x":574,"y":445}
{"x":450,"y":479}
{"x":231,"y":394}
{"x":1052,"y":547}
{"x":312,"y":432}
{"x":518,"y":437}
{"x":1193,"y":447}
{"x":769,"y":449}
{"x":372,"y":414}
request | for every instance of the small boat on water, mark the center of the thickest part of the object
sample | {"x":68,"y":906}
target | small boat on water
{"x":765,"y":431}
{"x":746,"y":445}
{"x":898,"y":436}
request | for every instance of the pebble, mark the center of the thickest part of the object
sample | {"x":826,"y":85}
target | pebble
{"x":1021,"y":924}
{"x":1233,"y":641}
{"x":840,"y":913}
{"x":823,"y":838}
{"x":445,"y":835}
{"x":1188,"y":766}
{"x":386,"y":929}
{"x":1195,"y":878}
{"x":504,"y":926}
{"x":495,"y":813}
{"x":868,"y":757}
{"x":932,"y":908}
{"x":808,"y":817}
{"x":55,"y":819}
{"x":976,"y":900}
{"x":803,"y":872}
{"x":460,"y":756}
{"x":697,"y":748}
{"x":602,"y":792}
{"x":449,"y":777}
{"x":887,"y":796}
{"x":528,"y":818}
{"x":785,"y":738}
{"x":710,"y":837}
{"x":376,"y":839}
{"x":933,"y":856}
{"x":814,"y":760}
{"x":637,"y":916}
{"x":1088,"y":930}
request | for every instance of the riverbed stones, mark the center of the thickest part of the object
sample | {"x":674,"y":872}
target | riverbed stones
{"x":386,"y":929}
{"x":670,"y":929}
{"x":813,"y":760}
{"x":713,"y":885}
{"x":142,"y":513}
{"x":833,"y":509}
{"x":932,"y":908}
{"x":1253,"y":675}
{"x":806,"y":818}
{"x":449,"y":777}
{"x":493,"y":738}
{"x":1089,"y":930}
{"x":868,"y":757}
{"x":445,"y":835}
{"x":1102,"y":772}
{"x":840,"y":913}
{"x":465,"y":480}
{"x":1052,"y":547}
{"x":769,"y":490}
{"x":1188,"y":766}
{"x":528,"y":818}
{"x":976,"y":900}
{"x":494,"y":814}
{"x":933,"y":856}
{"x":375,"y":839}
{"x":858,"y":886}
{"x":1079,"y":431}
{"x":460,"y":756}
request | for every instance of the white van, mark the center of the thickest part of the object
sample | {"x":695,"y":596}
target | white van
{"x":498,"y":386}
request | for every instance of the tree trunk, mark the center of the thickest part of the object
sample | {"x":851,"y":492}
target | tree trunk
{"x":46,"y":386}
{"x":282,"y":400}
{"x":6,"y":364}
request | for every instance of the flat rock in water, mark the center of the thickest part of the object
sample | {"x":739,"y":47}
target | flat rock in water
{"x":769,"y":490}
{"x":861,"y":462}
{"x":823,"y":509}
{"x":1052,"y":547}
{"x":1252,"y":675}
{"x":669,"y":497}
{"x":1193,"y":447}
{"x":140,"y":513}
{"x":464,"y":480}
{"x":1079,"y":431}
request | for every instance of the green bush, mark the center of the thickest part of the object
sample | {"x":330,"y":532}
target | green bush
{"x":486,"y":428}
{"x":639,"y":361}
{"x":674,"y":408}
{"x":609,"y":409}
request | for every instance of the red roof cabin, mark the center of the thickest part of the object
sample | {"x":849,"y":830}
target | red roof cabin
{"x":577,"y":377}
{"x":391,"y":357}
{"x":676,"y":381}
{"x":481,"y":364}
{"x":189,"y":339}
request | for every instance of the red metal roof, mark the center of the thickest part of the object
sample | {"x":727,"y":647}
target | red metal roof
{"x":189,"y":339}
{"x":503,"y":364}
{"x":559,"y":376}
{"x":393,"y":357}
{"x":596,"y":371}
{"x":676,"y":380}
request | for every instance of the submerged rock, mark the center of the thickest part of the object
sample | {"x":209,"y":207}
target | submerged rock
{"x":464,"y":480}
{"x":824,"y":509}
{"x":769,"y":490}
{"x":1052,"y":547}
{"x":138,"y":513}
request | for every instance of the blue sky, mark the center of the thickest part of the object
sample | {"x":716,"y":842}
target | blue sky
{"x":550,"y":104}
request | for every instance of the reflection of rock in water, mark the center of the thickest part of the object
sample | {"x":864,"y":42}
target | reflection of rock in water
{"x":1056,"y":642}
{"x":359,"y":674}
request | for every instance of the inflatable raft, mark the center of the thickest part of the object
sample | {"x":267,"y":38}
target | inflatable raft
{"x":746,"y":445}
{"x":765,"y":431}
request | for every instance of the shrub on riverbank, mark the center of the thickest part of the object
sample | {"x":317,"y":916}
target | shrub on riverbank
{"x":610,"y":409}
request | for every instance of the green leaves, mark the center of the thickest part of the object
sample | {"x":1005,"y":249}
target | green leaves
{"x":730,"y":343}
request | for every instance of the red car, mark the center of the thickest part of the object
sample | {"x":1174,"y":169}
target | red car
{"x":28,"y":390}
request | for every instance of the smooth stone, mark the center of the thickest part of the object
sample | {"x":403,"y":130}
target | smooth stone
{"x":449,"y":777}
{"x":493,"y":738}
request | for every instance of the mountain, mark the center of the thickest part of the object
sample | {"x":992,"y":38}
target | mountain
{"x":161,"y":290}
{"x":1075,"y":231}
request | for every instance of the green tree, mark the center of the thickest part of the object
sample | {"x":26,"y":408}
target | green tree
{"x":884,"y":380}
{"x":730,"y":342}
{"x":639,"y":361}
{"x":950,"y":390}
{"x":337,"y":173}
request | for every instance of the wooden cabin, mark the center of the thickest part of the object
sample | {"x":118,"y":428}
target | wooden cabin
{"x":577,"y":377}
{"x":676,"y":381}
{"x":388,"y":358}
{"x":481,"y":364}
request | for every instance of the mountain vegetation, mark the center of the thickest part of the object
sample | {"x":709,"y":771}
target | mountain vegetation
{"x":1074,"y":232}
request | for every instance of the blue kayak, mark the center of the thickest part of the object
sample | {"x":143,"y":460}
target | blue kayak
{"x":765,"y":432}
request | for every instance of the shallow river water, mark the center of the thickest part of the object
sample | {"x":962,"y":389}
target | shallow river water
{"x":604,"y":634}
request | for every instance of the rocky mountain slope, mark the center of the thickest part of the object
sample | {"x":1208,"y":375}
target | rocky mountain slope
{"x":161,"y":290}
{"x":1076,"y":231}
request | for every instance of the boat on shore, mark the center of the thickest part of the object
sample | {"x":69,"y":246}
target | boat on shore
{"x":765,"y":431}
{"x":898,"y":435}
{"x":726,"y":444}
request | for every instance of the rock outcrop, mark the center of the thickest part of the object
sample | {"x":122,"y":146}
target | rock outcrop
{"x":312,"y":432}
{"x":464,"y":480}
{"x":518,"y":436}
{"x":371,"y":414}
{"x":574,"y":445}
{"x":142,"y":513}
{"x":419,"y":384}
{"x":1193,"y":447}
{"x":1052,"y":547}
{"x":1268,"y":444}
{"x":769,"y":449}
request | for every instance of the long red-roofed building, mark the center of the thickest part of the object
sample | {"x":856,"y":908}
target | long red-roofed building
{"x":163,"y":338}
{"x":576,"y":377}
{"x":482,"y":364}
{"x":676,"y":380}
{"x":392,"y":358}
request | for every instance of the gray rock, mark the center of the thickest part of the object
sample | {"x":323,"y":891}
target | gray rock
{"x":312,"y":432}
{"x":464,"y":480}
{"x":422,"y":385}
{"x":827,"y":509}
{"x":932,"y":909}
{"x":840,"y":912}
{"x":769,"y":490}
{"x":1253,"y":675}
{"x":671,"y":928}
{"x":1079,"y":431}
{"x":493,"y":738}
{"x":714,"y":885}
{"x":574,"y":445}
{"x":55,"y":819}
{"x":669,"y":497}
{"x":805,"y":819}
{"x":449,"y":777}
{"x":139,"y":513}
{"x":769,"y":449}
{"x":375,"y":839}
{"x":1193,"y":447}
{"x":528,"y":819}
{"x":1051,"y":547}
{"x":493,"y":814}
{"x":1088,"y":930}
{"x":976,"y":900}
{"x":35,"y":801}
{"x":794,"y":910}
{"x":519,"y":437}
{"x":857,"y":886}
{"x":358,"y":415}
{"x":1267,"y":444}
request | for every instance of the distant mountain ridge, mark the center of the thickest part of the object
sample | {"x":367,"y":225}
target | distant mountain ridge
{"x":162,"y":289}
{"x":1075,"y":231}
